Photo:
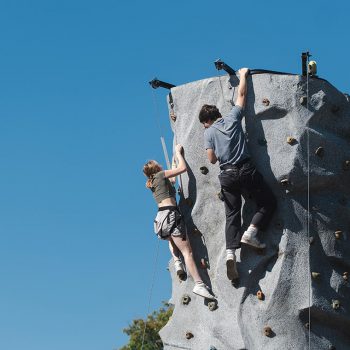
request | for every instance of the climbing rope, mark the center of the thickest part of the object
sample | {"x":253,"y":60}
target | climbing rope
{"x":308,"y":198}
{"x":150,"y":293}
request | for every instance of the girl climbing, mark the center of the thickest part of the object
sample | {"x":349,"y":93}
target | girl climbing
{"x":168,"y":223}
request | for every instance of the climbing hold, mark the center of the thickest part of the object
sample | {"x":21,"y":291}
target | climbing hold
{"x":319,"y":152}
{"x":312,"y":68}
{"x":284,"y":182}
{"x":335,"y":304}
{"x":342,"y":201}
{"x":212,"y":305}
{"x":260,"y":295}
{"x":311,"y":240}
{"x":212,"y":348}
{"x":307,"y":325}
{"x":303,"y":100}
{"x":345,"y":275}
{"x":172,"y":116}
{"x":262,"y":142}
{"x":203,"y":263}
{"x":189,"y":201}
{"x":338,"y":234}
{"x":279,"y":224}
{"x":179,"y":190}
{"x":189,"y":335}
{"x":204,"y":170}
{"x":266,"y":102}
{"x":291,"y":140}
{"x":315,"y":275}
{"x":346,"y":165}
{"x":331,"y":347}
{"x":185,"y":300}
{"x":267,"y":331}
{"x":221,"y":196}
{"x":196,"y":231}
{"x":335,"y":108}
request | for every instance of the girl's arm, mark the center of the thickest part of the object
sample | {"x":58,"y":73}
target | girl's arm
{"x":181,"y":166}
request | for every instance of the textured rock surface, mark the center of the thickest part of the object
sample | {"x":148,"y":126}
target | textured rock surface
{"x":283,"y":272}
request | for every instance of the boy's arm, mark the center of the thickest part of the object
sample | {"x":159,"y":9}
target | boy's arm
{"x":211,"y":156}
{"x":242,"y":87}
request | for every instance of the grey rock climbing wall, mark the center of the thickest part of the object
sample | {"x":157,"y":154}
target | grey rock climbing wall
{"x":275,"y":111}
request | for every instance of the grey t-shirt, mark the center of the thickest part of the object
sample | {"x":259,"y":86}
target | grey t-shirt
{"x":226,"y":138}
{"x":162,"y":188}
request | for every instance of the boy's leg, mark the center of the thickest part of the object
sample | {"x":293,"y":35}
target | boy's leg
{"x":266,"y":203}
{"x":233,"y":203}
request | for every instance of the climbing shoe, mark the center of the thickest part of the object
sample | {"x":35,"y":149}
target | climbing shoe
{"x":231,"y":266}
{"x":201,"y":290}
{"x":250,"y":239}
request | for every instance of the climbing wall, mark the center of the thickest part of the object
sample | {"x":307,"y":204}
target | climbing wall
{"x":269,"y":308}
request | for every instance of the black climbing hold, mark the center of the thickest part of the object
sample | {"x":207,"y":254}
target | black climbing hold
{"x":222,"y":65}
{"x":212,"y":348}
{"x":267,"y":331}
{"x":342,"y":201}
{"x":303,"y":100}
{"x":189,"y":335}
{"x":266,"y":102}
{"x":221,"y":196}
{"x":195,"y":231}
{"x":156,"y":83}
{"x":204,"y":170}
{"x":307,"y":325}
{"x":346,"y":165}
{"x":345,"y":275}
{"x":319,"y":152}
{"x":332,"y":347}
{"x":311,"y":240}
{"x":185,"y":300}
{"x":262,"y":142}
{"x":213,"y":305}
{"x":335,"y":108}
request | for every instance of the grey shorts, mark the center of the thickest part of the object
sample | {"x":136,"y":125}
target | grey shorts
{"x":169,"y":222}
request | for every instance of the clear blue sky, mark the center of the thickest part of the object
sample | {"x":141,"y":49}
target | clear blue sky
{"x":76,"y":125}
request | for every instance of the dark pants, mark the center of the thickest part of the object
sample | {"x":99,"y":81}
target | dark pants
{"x":234,"y":179}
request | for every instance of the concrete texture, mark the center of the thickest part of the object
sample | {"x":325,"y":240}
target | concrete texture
{"x":283,"y":272}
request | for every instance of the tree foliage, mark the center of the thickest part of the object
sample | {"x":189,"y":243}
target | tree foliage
{"x":154,"y":323}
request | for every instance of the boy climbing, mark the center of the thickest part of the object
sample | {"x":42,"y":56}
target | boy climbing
{"x":225,"y":142}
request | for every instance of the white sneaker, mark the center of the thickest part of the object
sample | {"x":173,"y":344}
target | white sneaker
{"x":231,"y":266}
{"x":250,"y":239}
{"x":201,"y":290}
{"x":179,"y":268}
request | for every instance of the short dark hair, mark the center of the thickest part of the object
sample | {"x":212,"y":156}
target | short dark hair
{"x":209,"y":112}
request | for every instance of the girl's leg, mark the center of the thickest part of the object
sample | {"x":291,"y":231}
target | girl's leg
{"x":186,"y":251}
{"x":174,"y":250}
